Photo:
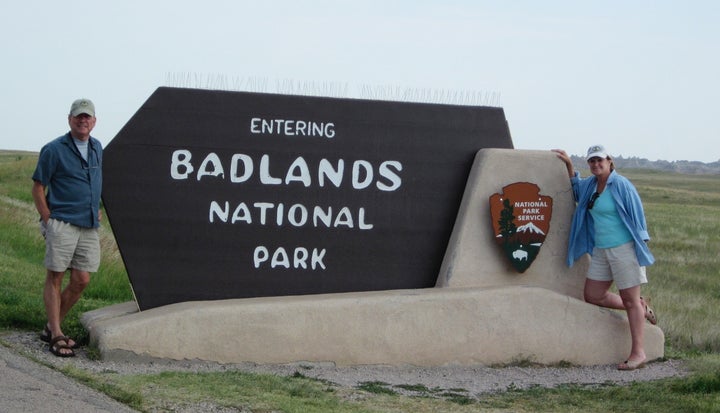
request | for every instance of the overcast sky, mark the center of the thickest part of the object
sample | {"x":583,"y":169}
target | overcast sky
{"x":641,"y":77}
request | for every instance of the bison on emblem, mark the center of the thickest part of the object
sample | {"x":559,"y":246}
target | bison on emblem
{"x":520,"y":255}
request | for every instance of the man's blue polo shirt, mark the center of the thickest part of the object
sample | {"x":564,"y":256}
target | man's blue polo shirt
{"x":74,"y":185}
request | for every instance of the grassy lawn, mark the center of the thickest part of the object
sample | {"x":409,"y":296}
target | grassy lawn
{"x":683,"y":214}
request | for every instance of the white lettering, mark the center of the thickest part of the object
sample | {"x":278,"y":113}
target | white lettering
{"x":289,"y":127}
{"x":242,"y":213}
{"x":217,"y":210}
{"x":299,"y":258}
{"x":211,"y":160}
{"x":260,"y":255}
{"x":391,"y":176}
{"x":265,"y":172}
{"x":530,"y":204}
{"x":280,"y":258}
{"x":302,"y":175}
{"x":297,"y":215}
{"x":292,"y":215}
{"x":317,"y":258}
{"x":254,"y":125}
{"x":326,"y":218}
{"x":289,"y":131}
{"x":300,"y":127}
{"x":356,"y":174}
{"x":280,"y":215}
{"x":263,"y":206}
{"x":247,"y":168}
{"x":361,"y":220}
{"x":181,"y":158}
{"x":242,"y":169}
{"x":531,"y":218}
{"x":344,"y":218}
{"x":325,"y":169}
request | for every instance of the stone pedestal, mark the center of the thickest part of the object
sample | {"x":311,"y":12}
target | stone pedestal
{"x":481,"y":311}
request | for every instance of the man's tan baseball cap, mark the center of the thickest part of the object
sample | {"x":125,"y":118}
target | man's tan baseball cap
{"x":81,"y":106}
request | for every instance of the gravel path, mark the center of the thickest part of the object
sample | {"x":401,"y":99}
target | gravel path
{"x":474,"y":380}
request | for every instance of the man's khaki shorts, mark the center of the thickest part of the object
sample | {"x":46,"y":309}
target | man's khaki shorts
{"x":69,"y":246}
{"x":617,"y":264}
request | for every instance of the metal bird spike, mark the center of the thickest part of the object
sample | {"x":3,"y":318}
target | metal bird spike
{"x":259,"y":84}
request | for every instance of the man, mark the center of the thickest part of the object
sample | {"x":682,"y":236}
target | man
{"x":66,"y":189}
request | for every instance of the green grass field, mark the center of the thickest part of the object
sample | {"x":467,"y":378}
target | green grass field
{"x":683,"y":213}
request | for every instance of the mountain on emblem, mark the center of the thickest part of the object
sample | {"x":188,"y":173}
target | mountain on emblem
{"x":531,"y":228}
{"x":521,"y":220}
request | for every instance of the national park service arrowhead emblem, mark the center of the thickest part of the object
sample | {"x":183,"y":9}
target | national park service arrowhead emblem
{"x":521,"y":220}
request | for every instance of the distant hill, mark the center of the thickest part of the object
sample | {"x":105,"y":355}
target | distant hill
{"x":683,"y":167}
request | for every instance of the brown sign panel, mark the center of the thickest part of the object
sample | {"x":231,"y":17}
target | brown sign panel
{"x":521,"y":220}
{"x":215,"y":194}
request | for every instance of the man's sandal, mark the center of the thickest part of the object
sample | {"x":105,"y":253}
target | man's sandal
{"x":649,"y":313}
{"x":56,"y":348}
{"x":46,"y":335}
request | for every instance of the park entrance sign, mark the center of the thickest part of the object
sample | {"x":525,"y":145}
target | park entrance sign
{"x":214,"y":194}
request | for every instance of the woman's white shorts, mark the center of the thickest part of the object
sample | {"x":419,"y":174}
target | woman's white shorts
{"x":617,"y":264}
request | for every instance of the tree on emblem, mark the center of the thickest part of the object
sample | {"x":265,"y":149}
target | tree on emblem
{"x":506,"y":221}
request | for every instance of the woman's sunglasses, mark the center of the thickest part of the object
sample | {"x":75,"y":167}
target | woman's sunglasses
{"x":593,"y":198}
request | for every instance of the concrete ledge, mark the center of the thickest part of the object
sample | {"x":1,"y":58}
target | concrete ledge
{"x":428,"y":327}
{"x":113,"y":311}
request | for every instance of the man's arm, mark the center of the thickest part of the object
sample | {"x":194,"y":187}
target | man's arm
{"x":38,"y":194}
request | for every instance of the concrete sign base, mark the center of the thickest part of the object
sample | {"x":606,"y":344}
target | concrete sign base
{"x":427,"y":327}
{"x":481,"y":311}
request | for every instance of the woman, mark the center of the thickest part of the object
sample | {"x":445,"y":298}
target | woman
{"x":609,"y":223}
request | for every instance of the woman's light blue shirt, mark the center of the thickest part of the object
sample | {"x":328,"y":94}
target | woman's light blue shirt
{"x":629,"y":208}
{"x":610,"y":231}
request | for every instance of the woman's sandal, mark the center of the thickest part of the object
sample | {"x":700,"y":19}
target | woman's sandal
{"x":46,"y":335}
{"x":649,"y":313}
{"x":56,"y":348}
{"x":628,"y":365}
